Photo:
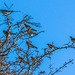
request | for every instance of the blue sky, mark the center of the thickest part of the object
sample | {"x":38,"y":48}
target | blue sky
{"x":57,"y":18}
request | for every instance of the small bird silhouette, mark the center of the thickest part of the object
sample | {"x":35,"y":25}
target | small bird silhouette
{"x":21,"y":59}
{"x":8,"y":33}
{"x":31,"y":33}
{"x":29,"y":28}
{"x":30,"y":45}
{"x":3,"y":64}
{"x":33,"y":59}
{"x":72,"y":39}
{"x":7,"y":11}
{"x":51,"y":46}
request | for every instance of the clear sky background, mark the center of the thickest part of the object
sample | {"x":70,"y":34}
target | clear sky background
{"x":57,"y":18}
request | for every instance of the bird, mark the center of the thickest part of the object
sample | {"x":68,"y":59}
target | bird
{"x":51,"y":46}
{"x":7,"y":11}
{"x":8,"y":33}
{"x":31,"y":33}
{"x":33,"y":59}
{"x":30,"y":45}
{"x":21,"y":59}
{"x":29,"y":28}
{"x":72,"y":39}
{"x":3,"y":64}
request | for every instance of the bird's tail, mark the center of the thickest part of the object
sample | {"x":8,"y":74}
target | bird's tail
{"x":34,"y":30}
{"x":36,"y":47}
{"x":14,"y":11}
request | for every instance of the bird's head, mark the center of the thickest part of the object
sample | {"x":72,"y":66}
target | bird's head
{"x":26,"y":41}
{"x":70,"y":36}
{"x":47,"y":43}
{"x":31,"y":57}
{"x":3,"y":30}
{"x":19,"y":56}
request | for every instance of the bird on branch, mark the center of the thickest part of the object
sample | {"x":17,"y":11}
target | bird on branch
{"x":30,"y":45}
{"x":2,"y":64}
{"x":8,"y":33}
{"x":33,"y":59}
{"x":29,"y":28}
{"x":31,"y":33}
{"x":51,"y":46}
{"x":7,"y":11}
{"x":21,"y":59}
{"x":72,"y":39}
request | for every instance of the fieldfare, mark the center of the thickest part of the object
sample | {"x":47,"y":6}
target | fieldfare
{"x":72,"y":39}
{"x":29,"y":28}
{"x":8,"y":33}
{"x":30,"y":45}
{"x":7,"y":11}
{"x":31,"y":33}
{"x":33,"y":59}
{"x":51,"y":46}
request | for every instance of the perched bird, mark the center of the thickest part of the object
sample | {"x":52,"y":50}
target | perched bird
{"x":51,"y":46}
{"x":8,"y":33}
{"x":72,"y":39}
{"x":21,"y":59}
{"x":7,"y":11}
{"x":31,"y":33}
{"x":29,"y":28}
{"x":30,"y":45}
{"x":3,"y":64}
{"x":33,"y":59}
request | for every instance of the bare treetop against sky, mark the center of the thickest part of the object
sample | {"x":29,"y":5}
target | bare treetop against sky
{"x":57,"y":18}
